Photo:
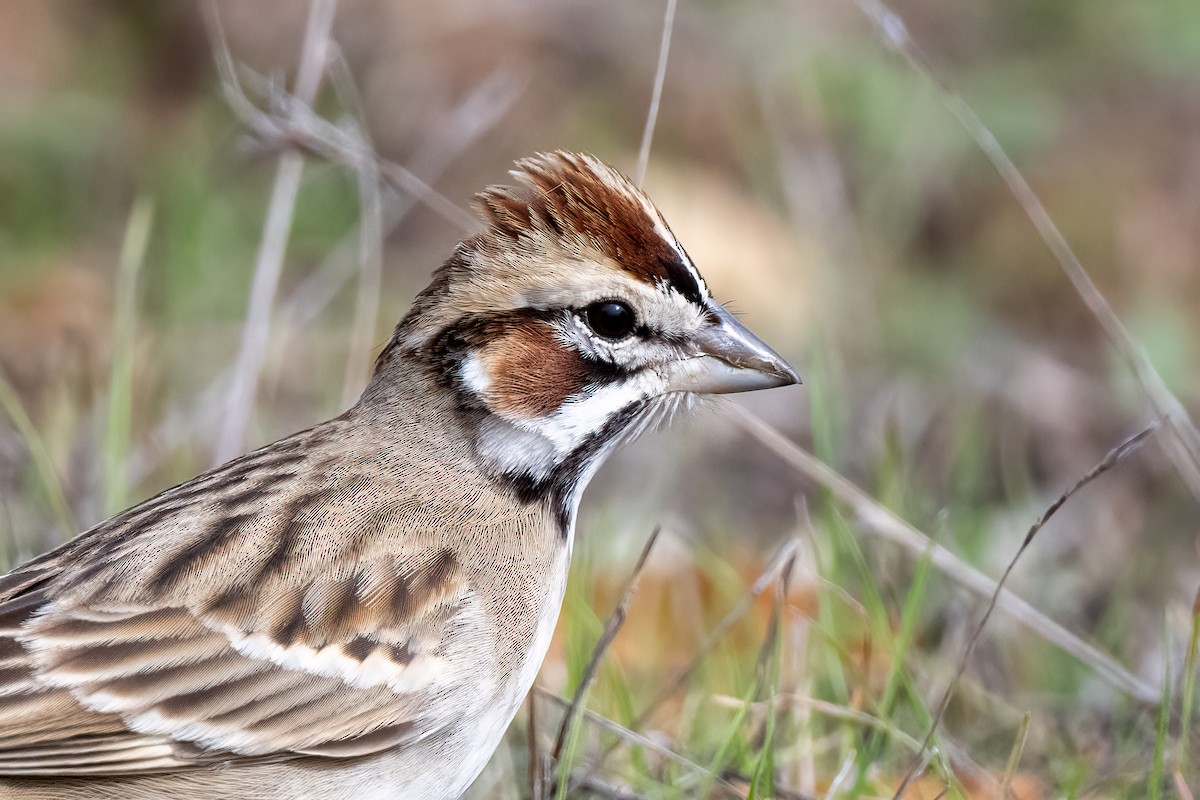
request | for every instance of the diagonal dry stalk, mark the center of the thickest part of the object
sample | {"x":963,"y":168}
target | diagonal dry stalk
{"x":269,"y":262}
{"x":875,"y":519}
{"x":1114,"y":457}
{"x":1184,"y":444}
{"x":470,"y":119}
{"x":611,"y":627}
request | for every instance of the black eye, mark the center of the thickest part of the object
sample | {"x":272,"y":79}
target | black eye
{"x":610,"y":318}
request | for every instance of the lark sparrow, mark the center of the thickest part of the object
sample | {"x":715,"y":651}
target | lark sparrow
{"x":357,"y":611}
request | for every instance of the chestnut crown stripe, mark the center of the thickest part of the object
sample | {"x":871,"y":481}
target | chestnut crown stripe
{"x":577,"y":196}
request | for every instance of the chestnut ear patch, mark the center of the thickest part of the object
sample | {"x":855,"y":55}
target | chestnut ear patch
{"x":530,"y":373}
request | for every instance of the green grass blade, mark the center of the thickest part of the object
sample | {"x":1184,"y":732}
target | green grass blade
{"x":1189,"y":688}
{"x":120,"y":383}
{"x":11,"y":403}
{"x":1160,"y":734}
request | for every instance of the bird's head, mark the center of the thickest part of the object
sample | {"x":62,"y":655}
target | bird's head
{"x":573,"y":321}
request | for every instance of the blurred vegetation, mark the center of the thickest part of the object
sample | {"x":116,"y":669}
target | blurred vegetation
{"x":822,"y":186}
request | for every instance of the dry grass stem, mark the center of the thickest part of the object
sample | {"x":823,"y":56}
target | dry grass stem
{"x":827,"y":709}
{"x":1181,"y":788}
{"x":876,"y":519}
{"x":1111,"y":460}
{"x":273,"y":246}
{"x":660,"y":78}
{"x":1014,"y":758}
{"x":843,"y":774}
{"x":536,"y":763}
{"x":470,"y":119}
{"x":774,"y":625}
{"x":611,"y":627}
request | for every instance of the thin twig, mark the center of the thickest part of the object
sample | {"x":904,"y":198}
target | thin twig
{"x":611,"y":628}
{"x":1114,"y":457}
{"x":292,"y":124}
{"x":831,"y":710}
{"x":766,"y":652}
{"x":536,"y":784}
{"x":273,"y":246}
{"x":469,"y":120}
{"x":1185,"y":455}
{"x":660,"y":78}
{"x":631,"y":737}
{"x":876,"y":519}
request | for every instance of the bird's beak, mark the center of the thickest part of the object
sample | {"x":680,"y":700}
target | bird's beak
{"x":729,"y":358}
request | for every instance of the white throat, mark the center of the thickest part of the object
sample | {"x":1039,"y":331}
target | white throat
{"x":534,"y":446}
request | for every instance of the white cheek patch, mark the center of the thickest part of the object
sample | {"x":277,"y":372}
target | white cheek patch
{"x":585,"y":414}
{"x":512,"y":449}
{"x":474,"y":375}
{"x":534,"y":446}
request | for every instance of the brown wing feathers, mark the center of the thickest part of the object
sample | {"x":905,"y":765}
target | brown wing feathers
{"x":105,"y":680}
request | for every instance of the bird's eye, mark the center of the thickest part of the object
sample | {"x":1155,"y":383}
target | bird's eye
{"x":611,"y":319}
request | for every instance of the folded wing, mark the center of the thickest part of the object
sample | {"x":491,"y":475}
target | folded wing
{"x":112,"y":661}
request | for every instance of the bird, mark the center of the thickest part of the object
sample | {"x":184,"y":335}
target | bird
{"x":359,"y":609}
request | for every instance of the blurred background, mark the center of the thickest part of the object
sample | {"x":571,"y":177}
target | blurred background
{"x":828,"y":194}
